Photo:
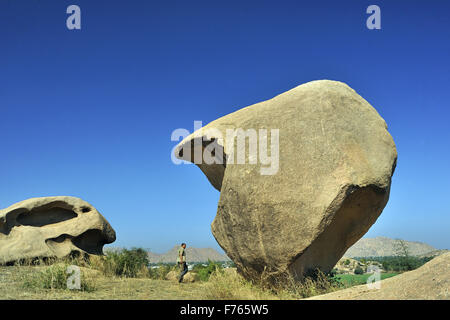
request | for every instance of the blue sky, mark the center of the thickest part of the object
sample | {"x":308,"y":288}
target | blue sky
{"x":90,"y":112}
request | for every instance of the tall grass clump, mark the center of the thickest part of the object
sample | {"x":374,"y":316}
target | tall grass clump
{"x":56,"y":276}
{"x":131,"y":263}
{"x":313,"y":284}
{"x":227,"y":284}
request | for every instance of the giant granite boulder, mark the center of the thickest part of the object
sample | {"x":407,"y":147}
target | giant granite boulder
{"x":315,"y":187}
{"x":52,"y":227}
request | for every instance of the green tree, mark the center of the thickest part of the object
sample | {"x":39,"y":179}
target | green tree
{"x":405,"y":261}
{"x":204,"y":272}
{"x":359,"y":270}
{"x":401,"y":248}
{"x":127,"y":263}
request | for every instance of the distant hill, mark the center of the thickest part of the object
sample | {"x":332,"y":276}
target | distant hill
{"x":192,"y":255}
{"x":433,"y":253}
{"x":382,"y":246}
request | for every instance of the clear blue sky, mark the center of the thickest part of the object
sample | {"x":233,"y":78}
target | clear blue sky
{"x":89,"y":112}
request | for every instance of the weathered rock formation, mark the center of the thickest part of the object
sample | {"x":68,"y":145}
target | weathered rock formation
{"x":304,"y":193}
{"x":52,"y":227}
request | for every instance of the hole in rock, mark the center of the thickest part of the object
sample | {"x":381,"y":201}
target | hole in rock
{"x":42,"y":216}
{"x":91,"y":241}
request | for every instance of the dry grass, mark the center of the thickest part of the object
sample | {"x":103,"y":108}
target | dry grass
{"x":57,"y":277}
{"x":13,"y":279}
{"x":224,"y":285}
{"x":316,"y":284}
{"x":228,"y":285}
{"x":42,"y":280}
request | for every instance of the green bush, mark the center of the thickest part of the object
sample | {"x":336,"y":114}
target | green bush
{"x":204,"y":272}
{"x":127,"y":263}
{"x":333,"y":273}
{"x":359,"y":270}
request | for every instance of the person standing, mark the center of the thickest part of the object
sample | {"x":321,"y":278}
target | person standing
{"x":181,"y":260}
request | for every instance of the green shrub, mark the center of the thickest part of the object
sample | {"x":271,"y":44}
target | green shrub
{"x":333,"y":273}
{"x":204,"y":272}
{"x":126,"y":263}
{"x":359,"y":270}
